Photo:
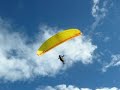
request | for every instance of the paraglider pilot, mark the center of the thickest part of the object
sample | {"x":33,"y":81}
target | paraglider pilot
{"x":61,"y":58}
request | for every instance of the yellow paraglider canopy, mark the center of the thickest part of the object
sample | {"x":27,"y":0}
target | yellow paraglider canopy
{"x":57,"y":39}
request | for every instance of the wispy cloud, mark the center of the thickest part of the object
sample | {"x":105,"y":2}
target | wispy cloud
{"x":72,"y":87}
{"x":114,"y":62}
{"x":106,"y":39}
{"x":18,"y":59}
{"x":99,"y":11}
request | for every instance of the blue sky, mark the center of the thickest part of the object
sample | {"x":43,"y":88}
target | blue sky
{"x":94,"y":62}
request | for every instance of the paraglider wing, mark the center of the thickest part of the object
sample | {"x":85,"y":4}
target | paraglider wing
{"x":57,"y":39}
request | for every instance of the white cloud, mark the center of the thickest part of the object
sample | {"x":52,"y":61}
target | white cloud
{"x":18,"y":59}
{"x":85,"y":89}
{"x":61,"y":87}
{"x":114,"y":62}
{"x":72,"y":87}
{"x":106,"y":88}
